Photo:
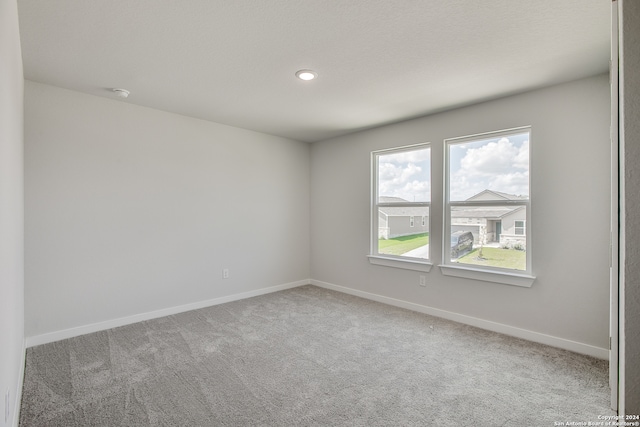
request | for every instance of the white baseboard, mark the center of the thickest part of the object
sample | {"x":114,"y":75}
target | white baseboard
{"x":122,"y":321}
{"x":577,"y":347}
{"x":17,"y":401}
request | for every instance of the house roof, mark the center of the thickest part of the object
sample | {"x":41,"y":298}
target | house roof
{"x":498,"y":212}
{"x":378,"y":62}
{"x":405,"y":210}
{"x":488,"y":212}
{"x":389,"y":199}
{"x":496,"y":195}
{"x":401,"y":210}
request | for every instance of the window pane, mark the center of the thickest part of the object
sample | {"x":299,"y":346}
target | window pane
{"x":490,"y":236}
{"x":397,"y":235}
{"x":404,"y":176}
{"x":490,"y":169}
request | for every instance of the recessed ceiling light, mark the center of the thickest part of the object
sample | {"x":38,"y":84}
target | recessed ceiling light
{"x":306,"y":75}
{"x":122,"y":93}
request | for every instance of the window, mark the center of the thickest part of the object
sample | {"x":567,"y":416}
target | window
{"x":401,"y":191}
{"x":487,"y":207}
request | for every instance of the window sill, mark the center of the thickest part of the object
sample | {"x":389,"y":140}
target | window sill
{"x":523,"y":280}
{"x":406,"y":264}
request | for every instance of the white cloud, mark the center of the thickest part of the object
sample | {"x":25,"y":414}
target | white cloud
{"x":489,"y":159}
{"x":391,"y":173}
{"x":405,"y":175}
{"x":512,"y":183}
{"x":522,"y":159}
{"x":496,"y":165}
{"x":420,"y":189}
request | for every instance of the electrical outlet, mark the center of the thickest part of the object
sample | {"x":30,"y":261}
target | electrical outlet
{"x":225,"y":273}
{"x":423,"y":280}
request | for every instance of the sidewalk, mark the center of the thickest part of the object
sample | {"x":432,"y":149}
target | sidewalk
{"x":421,"y":252}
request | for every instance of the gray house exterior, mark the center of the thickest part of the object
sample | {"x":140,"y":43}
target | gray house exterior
{"x":396,"y":221}
{"x":505,"y":225}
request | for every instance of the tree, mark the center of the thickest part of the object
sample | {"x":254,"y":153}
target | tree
{"x":482,"y":239}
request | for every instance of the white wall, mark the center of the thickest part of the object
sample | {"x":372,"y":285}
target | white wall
{"x":570,"y":154}
{"x":630,"y":128}
{"x":11,"y":213}
{"x":131,"y":210}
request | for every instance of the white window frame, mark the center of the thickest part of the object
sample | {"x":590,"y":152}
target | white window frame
{"x":523,"y":227}
{"x":397,"y":261}
{"x":485,"y":273}
{"x":412,"y":222}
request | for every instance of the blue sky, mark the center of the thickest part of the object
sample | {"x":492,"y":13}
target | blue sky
{"x":406,"y":175}
{"x":499,"y":164}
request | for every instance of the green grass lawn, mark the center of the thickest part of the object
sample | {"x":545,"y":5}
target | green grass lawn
{"x":497,"y":257}
{"x":403,"y":244}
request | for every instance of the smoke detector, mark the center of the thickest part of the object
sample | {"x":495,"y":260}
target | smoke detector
{"x":122,"y":93}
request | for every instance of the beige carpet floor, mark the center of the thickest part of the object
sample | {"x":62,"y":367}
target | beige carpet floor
{"x":307,"y":357}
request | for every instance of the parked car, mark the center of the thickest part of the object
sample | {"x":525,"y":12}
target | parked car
{"x":461,"y":243}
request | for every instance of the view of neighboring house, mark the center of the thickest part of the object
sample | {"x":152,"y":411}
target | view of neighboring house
{"x":396,"y":221}
{"x":501,"y":224}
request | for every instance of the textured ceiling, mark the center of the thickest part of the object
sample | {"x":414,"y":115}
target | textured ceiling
{"x":378,"y":61}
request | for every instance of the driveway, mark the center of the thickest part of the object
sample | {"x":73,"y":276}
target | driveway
{"x":421,"y":252}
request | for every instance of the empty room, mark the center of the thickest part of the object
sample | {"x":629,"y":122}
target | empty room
{"x":319,"y":213}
